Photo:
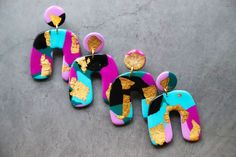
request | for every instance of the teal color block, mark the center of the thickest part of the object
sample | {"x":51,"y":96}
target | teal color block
{"x":57,"y":39}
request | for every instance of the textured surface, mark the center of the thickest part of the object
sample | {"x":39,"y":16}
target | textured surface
{"x":194,"y":39}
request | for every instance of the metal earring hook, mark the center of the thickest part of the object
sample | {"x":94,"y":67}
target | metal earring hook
{"x":131,"y":71}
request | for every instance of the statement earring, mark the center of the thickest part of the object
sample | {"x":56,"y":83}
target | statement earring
{"x":80,"y":83}
{"x":45,"y":43}
{"x":159,"y":124}
{"x":121,"y":110}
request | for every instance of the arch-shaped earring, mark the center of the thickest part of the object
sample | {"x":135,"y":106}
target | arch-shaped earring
{"x":41,"y":59}
{"x":121,"y":111}
{"x":80,"y":83}
{"x":159,"y":125}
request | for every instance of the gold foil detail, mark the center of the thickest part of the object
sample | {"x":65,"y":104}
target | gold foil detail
{"x":126,"y":83}
{"x":79,"y":89}
{"x":183,"y":113}
{"x":65,"y":68}
{"x":83,"y":63}
{"x":47,"y":37}
{"x":149,"y":93}
{"x":108,"y":92}
{"x":164,"y":83}
{"x":158,"y":134}
{"x":55,"y":19}
{"x":46,"y":66}
{"x":195,"y":132}
{"x":134,"y":60}
{"x":125,"y":107}
{"x":74,"y":44}
{"x":94,"y":43}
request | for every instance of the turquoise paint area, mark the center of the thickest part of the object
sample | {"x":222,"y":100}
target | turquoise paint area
{"x":135,"y":73}
{"x":57,"y":39}
{"x":185,"y":100}
{"x":39,"y":77}
{"x":47,"y":51}
{"x":158,"y":117}
{"x":145,"y":108}
{"x":87,"y":81}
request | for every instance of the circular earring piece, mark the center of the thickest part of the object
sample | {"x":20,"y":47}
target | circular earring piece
{"x":166,"y":81}
{"x":134,"y":60}
{"x":54,"y":16}
{"x":93,"y":42}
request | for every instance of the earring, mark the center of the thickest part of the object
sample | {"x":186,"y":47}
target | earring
{"x":45,"y":43}
{"x":121,"y":110}
{"x":80,"y":83}
{"x":159,"y":125}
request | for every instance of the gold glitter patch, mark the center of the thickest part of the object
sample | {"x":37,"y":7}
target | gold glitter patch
{"x":46,"y":66}
{"x":47,"y":37}
{"x":125,"y":107}
{"x":134,"y":60}
{"x":55,"y":19}
{"x":126,"y":83}
{"x":183,"y":113}
{"x":83,"y":63}
{"x":79,"y":89}
{"x":65,"y":68}
{"x":74,"y":44}
{"x":158,"y":134}
{"x":93,"y":43}
{"x":195,"y":132}
{"x":149,"y":93}
{"x":108,"y":92}
{"x":164,"y":83}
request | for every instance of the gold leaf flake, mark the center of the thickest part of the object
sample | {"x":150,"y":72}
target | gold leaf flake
{"x":164,"y":83}
{"x":94,"y":43}
{"x":65,"y":68}
{"x":149,"y":93}
{"x":83,"y":63}
{"x":195,"y":132}
{"x":125,"y":107}
{"x":74,"y":44}
{"x":183,"y":113}
{"x":46,"y":66}
{"x":108,"y":92}
{"x":158,"y":134}
{"x":47,"y":37}
{"x":126,"y":83}
{"x":55,"y":19}
{"x":79,"y":89}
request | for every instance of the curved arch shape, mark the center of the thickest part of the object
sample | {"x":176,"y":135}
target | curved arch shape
{"x":121,"y":111}
{"x":159,"y":125}
{"x":80,"y":83}
{"x":41,"y":60}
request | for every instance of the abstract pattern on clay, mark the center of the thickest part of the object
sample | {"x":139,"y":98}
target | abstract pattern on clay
{"x":159,"y":124}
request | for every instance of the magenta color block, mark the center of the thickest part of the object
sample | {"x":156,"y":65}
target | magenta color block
{"x":73,"y":73}
{"x":108,"y":75}
{"x":147,"y":78}
{"x":35,"y":66}
{"x":193,"y":115}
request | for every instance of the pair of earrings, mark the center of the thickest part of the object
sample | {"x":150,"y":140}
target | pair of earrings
{"x":116,"y":89}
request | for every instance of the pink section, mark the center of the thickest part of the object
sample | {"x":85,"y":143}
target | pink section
{"x":115,"y":120}
{"x":35,"y":66}
{"x":168,"y":132}
{"x":185,"y":130}
{"x":108,"y":75}
{"x":54,"y":10}
{"x":99,"y":36}
{"x":193,"y":114}
{"x":147,"y":78}
{"x":69,"y":57}
{"x":161,"y":77}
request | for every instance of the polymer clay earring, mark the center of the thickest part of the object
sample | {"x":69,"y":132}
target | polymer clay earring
{"x":121,"y":110}
{"x":159,"y":124}
{"x":45,"y":43}
{"x":80,"y":83}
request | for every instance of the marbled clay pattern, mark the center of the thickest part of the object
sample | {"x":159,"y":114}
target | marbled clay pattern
{"x":80,"y":81}
{"x":41,"y":60}
{"x":121,"y":111}
{"x":159,"y":124}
